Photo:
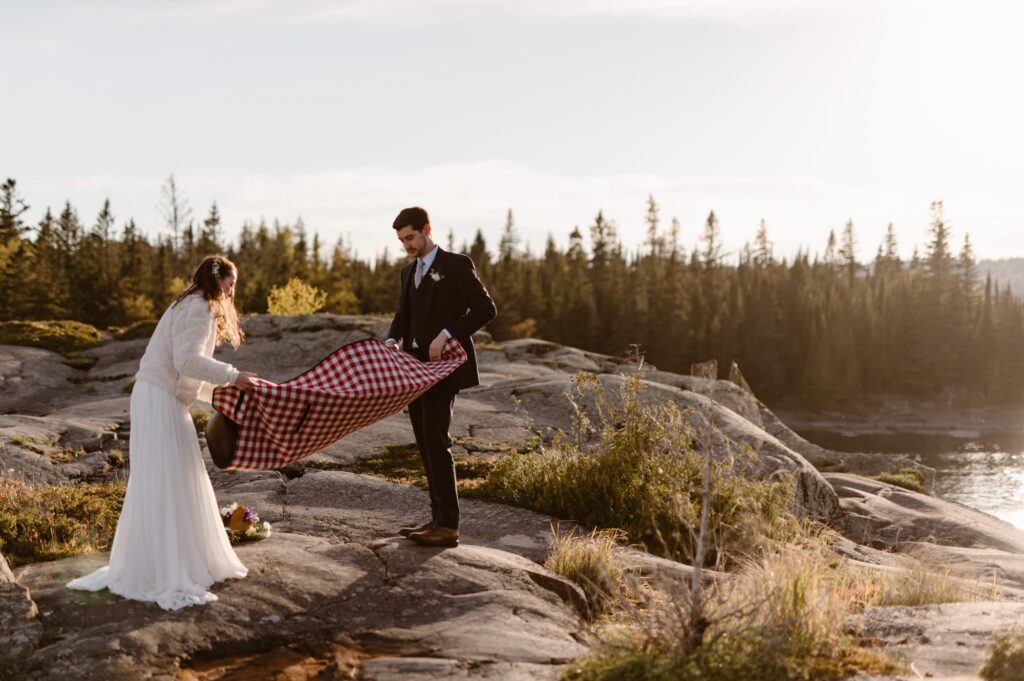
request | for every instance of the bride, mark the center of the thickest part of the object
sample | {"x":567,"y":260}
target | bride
{"x":170,"y":544}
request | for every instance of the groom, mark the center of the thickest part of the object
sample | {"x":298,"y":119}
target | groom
{"x":441,"y":298}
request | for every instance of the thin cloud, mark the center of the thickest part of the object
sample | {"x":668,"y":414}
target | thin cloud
{"x":444,"y":11}
{"x":359,"y":204}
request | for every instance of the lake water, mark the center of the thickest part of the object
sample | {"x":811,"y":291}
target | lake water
{"x":985,"y":473}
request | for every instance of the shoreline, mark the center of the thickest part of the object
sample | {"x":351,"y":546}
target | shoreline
{"x":906,"y":417}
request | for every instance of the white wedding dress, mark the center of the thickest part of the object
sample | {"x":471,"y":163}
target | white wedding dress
{"x":170,"y":545}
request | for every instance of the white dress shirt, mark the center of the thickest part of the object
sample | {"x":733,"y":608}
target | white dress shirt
{"x":423,"y":264}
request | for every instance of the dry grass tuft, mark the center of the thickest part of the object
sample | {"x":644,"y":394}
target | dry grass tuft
{"x":591,"y":562}
{"x":45,"y":522}
{"x":780,"y":617}
{"x":1005,"y":657}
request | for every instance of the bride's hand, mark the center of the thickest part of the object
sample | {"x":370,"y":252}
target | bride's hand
{"x":244,"y":381}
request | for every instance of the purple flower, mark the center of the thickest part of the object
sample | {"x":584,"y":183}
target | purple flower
{"x":251,"y":516}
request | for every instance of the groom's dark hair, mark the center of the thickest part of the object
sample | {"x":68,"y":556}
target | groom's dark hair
{"x":414,"y":217}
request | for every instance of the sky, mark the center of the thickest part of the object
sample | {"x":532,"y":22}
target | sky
{"x":802,"y":114}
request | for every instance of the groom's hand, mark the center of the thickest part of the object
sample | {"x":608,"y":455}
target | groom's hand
{"x":437,"y":346}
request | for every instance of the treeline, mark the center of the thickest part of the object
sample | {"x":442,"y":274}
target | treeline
{"x":809,"y":331}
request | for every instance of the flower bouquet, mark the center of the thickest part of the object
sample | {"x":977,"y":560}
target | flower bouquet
{"x":243,"y":524}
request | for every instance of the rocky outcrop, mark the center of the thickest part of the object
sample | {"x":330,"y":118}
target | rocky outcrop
{"x":334,"y":572}
{"x":943,"y":642}
{"x":966,"y":542}
{"x":19,"y":626}
{"x":69,"y":444}
{"x":334,"y":592}
{"x":32,"y":381}
{"x":882,"y":513}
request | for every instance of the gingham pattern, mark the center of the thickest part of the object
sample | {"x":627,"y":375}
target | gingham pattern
{"x":359,"y":384}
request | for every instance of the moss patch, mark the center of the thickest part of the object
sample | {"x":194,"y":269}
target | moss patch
{"x":48,"y":448}
{"x":64,"y":455}
{"x":44,"y":522}
{"x":143,"y":329}
{"x":78,"y":360}
{"x":60,"y":336}
{"x":397,"y":463}
{"x":907,"y":478}
{"x":402,"y":464}
{"x":830,"y":465}
{"x":30,"y":442}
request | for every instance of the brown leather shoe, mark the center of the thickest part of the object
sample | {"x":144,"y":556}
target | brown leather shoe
{"x":406,"y":531}
{"x":438,"y":535}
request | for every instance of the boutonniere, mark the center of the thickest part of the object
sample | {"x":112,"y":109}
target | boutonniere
{"x":435,"y":275}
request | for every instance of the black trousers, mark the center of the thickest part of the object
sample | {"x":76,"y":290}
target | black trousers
{"x":431,"y":416}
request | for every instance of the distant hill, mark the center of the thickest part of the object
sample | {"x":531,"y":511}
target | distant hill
{"x":1005,"y":272}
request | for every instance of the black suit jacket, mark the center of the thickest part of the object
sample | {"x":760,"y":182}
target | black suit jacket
{"x":455,"y":300}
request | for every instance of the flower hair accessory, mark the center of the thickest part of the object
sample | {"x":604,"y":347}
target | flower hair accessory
{"x":215,"y":268}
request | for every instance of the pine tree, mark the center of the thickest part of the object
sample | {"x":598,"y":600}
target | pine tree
{"x":48,"y":301}
{"x":95,"y":281}
{"x":300,"y":259}
{"x":712,"y":240}
{"x":848,"y":252}
{"x":481,"y":258}
{"x":655,"y":243}
{"x":674,"y":233}
{"x":508,"y":247}
{"x":15,"y":254}
{"x":210,"y":237}
{"x":135,"y":275}
{"x":831,"y":258}
{"x":939,"y":260}
{"x":12,"y":206}
{"x":761,"y":255}
{"x":887,"y":262}
{"x":176,"y":212}
{"x":341,"y":297}
{"x":68,"y":235}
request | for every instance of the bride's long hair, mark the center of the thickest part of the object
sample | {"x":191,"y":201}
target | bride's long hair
{"x":206,"y":281}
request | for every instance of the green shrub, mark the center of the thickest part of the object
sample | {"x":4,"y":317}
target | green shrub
{"x":59,"y":336}
{"x":1005,"y":657}
{"x":907,"y":478}
{"x":645,"y":477}
{"x":44,"y":522}
{"x":295,"y":298}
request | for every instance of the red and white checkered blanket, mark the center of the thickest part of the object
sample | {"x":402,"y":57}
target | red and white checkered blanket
{"x":359,"y":384}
